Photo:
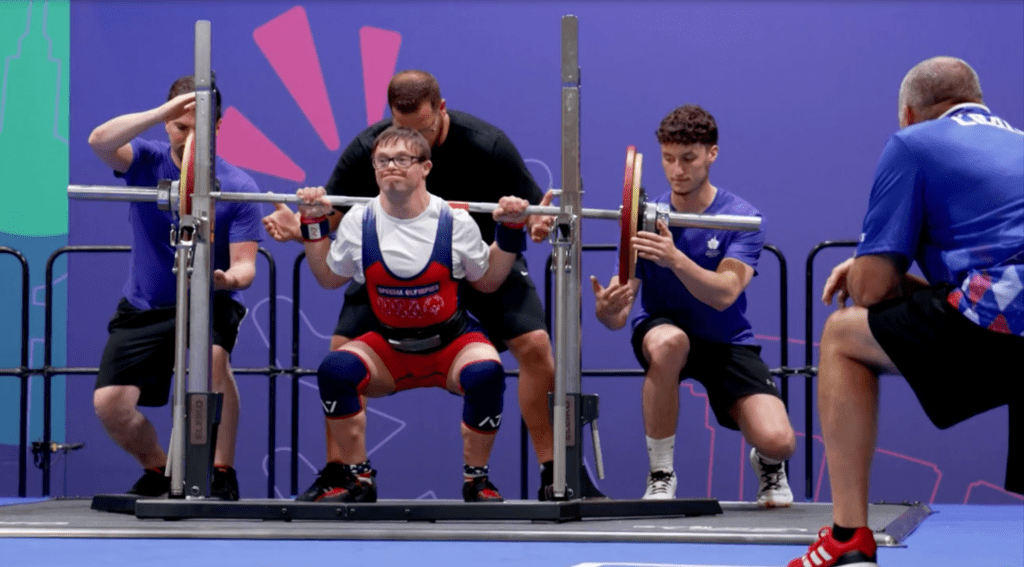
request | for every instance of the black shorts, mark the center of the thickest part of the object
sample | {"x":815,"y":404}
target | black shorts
{"x":513,"y":310}
{"x":956,"y":368}
{"x":140,"y":350}
{"x":728,"y":372}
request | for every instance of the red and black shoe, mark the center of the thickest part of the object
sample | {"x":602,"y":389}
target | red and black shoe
{"x":153,"y":483}
{"x":347,"y":486}
{"x":323,"y":482}
{"x":224,"y":483}
{"x":480,"y":489}
{"x":859,"y":551}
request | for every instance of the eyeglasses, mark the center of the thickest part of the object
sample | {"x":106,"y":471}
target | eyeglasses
{"x":401,"y":160}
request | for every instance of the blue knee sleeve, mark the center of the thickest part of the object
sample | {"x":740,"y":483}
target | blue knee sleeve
{"x":339,"y":377}
{"x":484,"y":385}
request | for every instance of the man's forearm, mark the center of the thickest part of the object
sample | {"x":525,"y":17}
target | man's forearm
{"x":120,"y":130}
{"x":498,"y":268}
{"x":717,"y":290}
{"x":874,"y":278}
{"x":316,"y":258}
{"x":240,"y":276}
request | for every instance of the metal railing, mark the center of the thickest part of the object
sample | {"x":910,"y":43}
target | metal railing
{"x":810,"y":371}
{"x":48,"y":371}
{"x":23,"y":372}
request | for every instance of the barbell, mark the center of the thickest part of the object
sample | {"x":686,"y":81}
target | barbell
{"x":636,"y":213}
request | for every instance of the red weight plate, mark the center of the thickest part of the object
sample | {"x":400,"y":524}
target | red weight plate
{"x":628,"y":218}
{"x":187,"y":184}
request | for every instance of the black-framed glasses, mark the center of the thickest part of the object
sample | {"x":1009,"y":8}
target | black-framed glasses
{"x":401,"y":160}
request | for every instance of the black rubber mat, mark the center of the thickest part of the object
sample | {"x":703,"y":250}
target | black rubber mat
{"x":740,"y":522}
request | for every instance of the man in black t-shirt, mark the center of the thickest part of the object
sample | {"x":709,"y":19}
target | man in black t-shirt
{"x":473,"y":161}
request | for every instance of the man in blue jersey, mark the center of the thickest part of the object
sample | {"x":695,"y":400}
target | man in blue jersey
{"x":138,"y":359}
{"x":693,"y":322}
{"x":949,"y":195}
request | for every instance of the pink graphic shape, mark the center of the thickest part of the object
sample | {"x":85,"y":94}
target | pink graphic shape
{"x":379,"y":49}
{"x":287,"y":43}
{"x":987,"y":484}
{"x":242,"y":144}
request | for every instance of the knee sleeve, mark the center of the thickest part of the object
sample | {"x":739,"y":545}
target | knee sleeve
{"x":340,"y":375}
{"x":484,"y":386}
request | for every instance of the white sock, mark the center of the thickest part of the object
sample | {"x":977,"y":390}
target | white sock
{"x":766,"y":460}
{"x":660,"y":452}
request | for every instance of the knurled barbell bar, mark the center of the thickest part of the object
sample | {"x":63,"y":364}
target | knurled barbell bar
{"x":634,"y":214}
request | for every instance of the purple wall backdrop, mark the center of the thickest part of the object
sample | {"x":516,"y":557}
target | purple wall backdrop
{"x":805,"y":97}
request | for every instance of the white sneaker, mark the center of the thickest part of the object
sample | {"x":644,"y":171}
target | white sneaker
{"x":661,"y":485}
{"x":773,"y":490}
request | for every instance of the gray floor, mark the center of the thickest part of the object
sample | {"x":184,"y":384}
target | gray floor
{"x":741,"y":522}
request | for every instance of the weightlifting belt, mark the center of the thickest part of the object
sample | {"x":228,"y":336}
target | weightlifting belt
{"x":425,"y":339}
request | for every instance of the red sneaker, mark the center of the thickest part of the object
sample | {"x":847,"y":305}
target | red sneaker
{"x":859,"y":551}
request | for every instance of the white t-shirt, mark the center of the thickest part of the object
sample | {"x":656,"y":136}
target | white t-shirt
{"x":406,"y":244}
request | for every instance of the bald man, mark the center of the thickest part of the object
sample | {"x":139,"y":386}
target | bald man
{"x":948,"y":195}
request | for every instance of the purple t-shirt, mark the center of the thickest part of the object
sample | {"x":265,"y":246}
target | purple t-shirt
{"x":151,"y":283}
{"x":662,"y":292}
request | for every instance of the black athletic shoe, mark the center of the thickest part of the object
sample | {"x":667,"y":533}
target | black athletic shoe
{"x":480,"y":489}
{"x":327,"y":477}
{"x":348,"y":487}
{"x":224,"y":484}
{"x":547,"y":484}
{"x":153,"y":483}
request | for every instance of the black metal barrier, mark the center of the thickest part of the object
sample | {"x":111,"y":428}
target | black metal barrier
{"x":295,"y":372}
{"x":809,"y":370}
{"x":272,"y":371}
{"x":783,"y":372}
{"x":22,"y":372}
{"x":48,"y":371}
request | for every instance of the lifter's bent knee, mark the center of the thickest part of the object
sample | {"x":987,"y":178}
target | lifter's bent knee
{"x":340,"y":378}
{"x":484,"y":385}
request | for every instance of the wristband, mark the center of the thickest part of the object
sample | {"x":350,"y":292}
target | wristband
{"x":509,"y":238}
{"x":314,"y":229}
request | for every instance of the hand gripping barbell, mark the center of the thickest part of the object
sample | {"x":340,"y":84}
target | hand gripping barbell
{"x":636,"y":213}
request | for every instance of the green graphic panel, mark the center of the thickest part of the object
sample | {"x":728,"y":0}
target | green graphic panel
{"x":34,"y":53}
{"x":34,"y":40}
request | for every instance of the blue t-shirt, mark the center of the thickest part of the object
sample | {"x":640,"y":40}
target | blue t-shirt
{"x":949,"y":194}
{"x":663,"y":293}
{"x":151,"y":283}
